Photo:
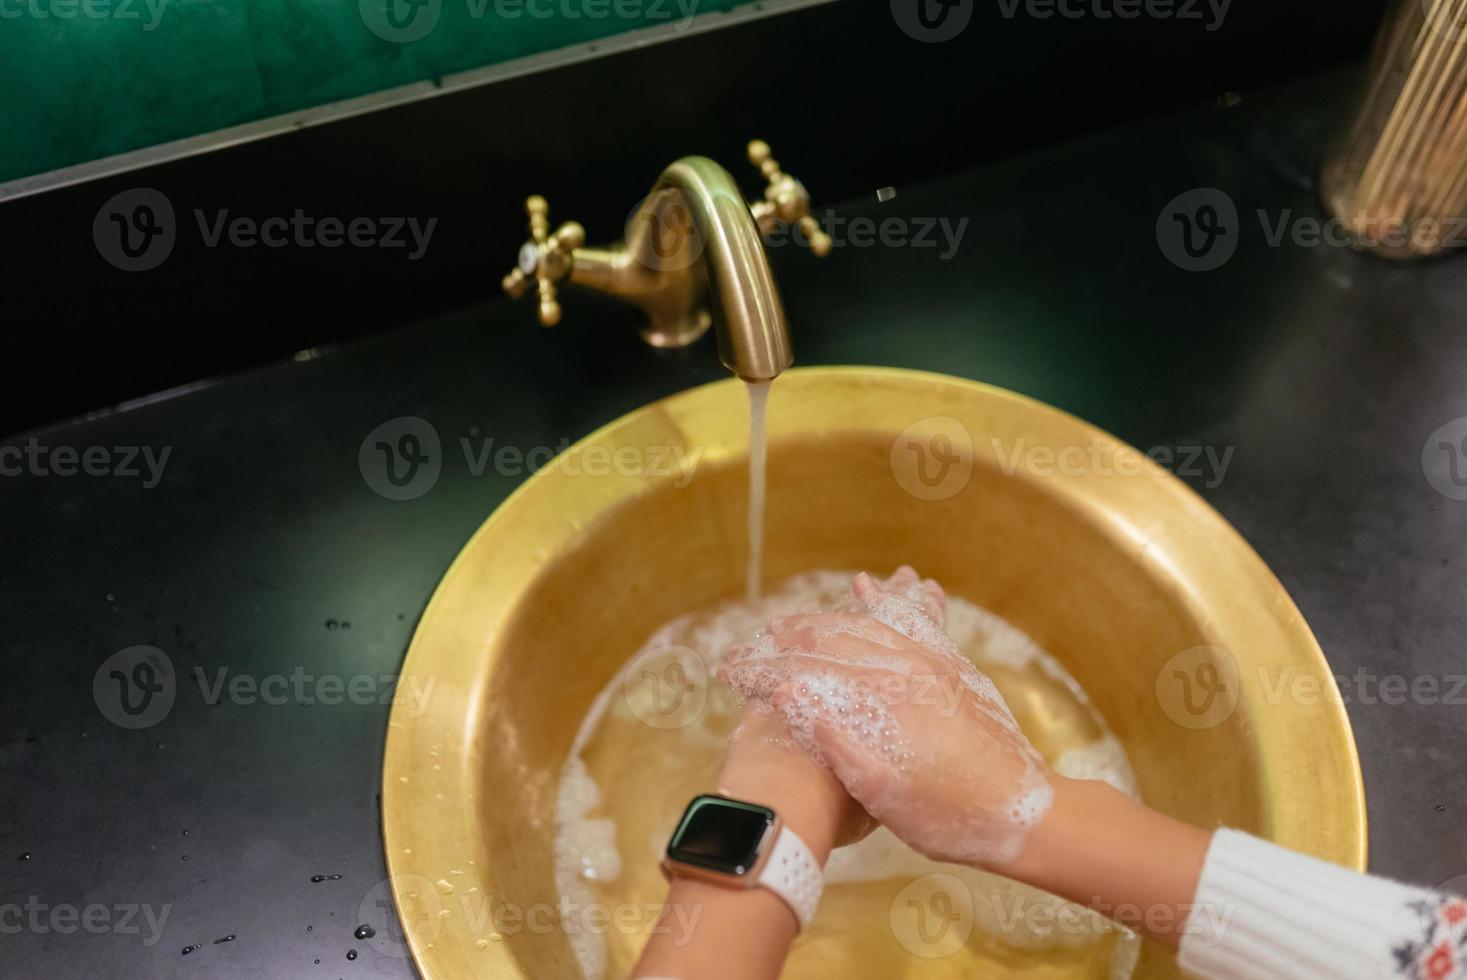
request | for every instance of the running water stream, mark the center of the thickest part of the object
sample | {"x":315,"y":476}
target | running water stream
{"x":758,"y":458}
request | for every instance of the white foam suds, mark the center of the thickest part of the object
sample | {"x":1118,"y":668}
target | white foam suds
{"x":1104,"y":760}
{"x":585,"y":851}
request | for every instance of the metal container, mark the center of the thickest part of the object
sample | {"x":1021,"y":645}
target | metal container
{"x":1398,"y":178}
{"x":1143,"y":592}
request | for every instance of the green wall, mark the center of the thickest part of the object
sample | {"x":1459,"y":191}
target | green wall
{"x":85,"y":79}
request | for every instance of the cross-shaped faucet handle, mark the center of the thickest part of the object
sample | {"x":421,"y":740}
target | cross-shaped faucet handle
{"x":785,"y":201}
{"x":544,"y":259}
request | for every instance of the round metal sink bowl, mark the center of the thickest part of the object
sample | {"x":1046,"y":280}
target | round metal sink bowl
{"x":1166,"y":617}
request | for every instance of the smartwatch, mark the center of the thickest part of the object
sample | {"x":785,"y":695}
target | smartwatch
{"x":734,"y":844}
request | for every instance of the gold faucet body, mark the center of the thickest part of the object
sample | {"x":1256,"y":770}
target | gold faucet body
{"x":693,"y":256}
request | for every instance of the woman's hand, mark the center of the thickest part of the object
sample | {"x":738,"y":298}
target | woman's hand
{"x":914,"y":732}
{"x":747,"y":933}
{"x":764,"y":765}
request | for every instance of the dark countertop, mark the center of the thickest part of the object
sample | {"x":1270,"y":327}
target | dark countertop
{"x":1322,"y":370}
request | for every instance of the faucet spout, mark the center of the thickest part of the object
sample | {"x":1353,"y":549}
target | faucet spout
{"x":697,"y":215}
{"x":693,"y":257}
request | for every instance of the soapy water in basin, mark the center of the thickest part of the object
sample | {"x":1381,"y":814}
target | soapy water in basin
{"x":655,"y":738}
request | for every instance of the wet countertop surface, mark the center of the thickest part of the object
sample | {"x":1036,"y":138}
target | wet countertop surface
{"x":238,"y":528}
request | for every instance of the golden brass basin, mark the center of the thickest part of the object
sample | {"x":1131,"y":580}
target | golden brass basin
{"x":1108,"y":562}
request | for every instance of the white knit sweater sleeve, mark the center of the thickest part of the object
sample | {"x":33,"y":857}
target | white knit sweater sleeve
{"x":1266,"y":913}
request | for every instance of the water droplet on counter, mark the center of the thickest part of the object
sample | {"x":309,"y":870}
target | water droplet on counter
{"x":190,"y":949}
{"x":227,"y":939}
{"x":365,"y":932}
{"x":351,"y":954}
{"x":26,"y":856}
{"x":185,"y":831}
{"x":317,"y":879}
{"x":1441,"y":808}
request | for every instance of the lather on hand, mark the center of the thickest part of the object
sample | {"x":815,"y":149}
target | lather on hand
{"x":915,"y":733}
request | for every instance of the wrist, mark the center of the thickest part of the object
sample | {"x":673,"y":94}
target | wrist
{"x":1099,"y":848}
{"x":800,"y":794}
{"x":1058,"y":839}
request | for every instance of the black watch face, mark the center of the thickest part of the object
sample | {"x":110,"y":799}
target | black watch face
{"x":721,"y":834}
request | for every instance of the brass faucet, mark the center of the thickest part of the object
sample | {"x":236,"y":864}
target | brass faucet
{"x":691,"y":237}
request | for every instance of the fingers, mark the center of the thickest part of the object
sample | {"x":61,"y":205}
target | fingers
{"x":853,"y":635}
{"x":839,"y":640}
{"x":813,"y":630}
{"x":755,"y":679}
{"x":926,"y":593}
{"x":934,"y":601}
{"x":902,"y":614}
{"x":855,"y":679}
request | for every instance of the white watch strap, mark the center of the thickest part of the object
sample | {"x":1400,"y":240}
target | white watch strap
{"x":794,"y":875}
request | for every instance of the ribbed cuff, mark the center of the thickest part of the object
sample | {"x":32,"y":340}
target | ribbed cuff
{"x":1265,"y":912}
